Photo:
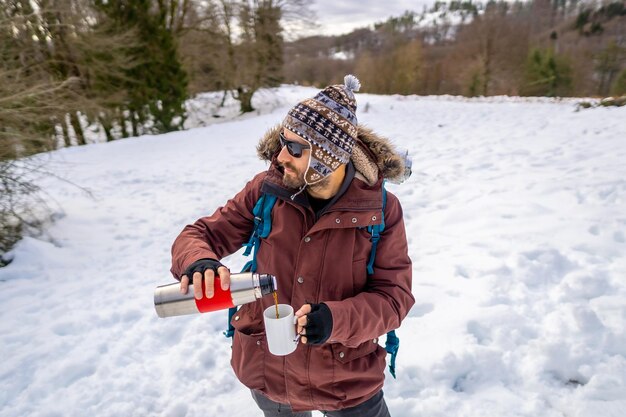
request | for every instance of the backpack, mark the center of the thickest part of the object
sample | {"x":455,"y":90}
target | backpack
{"x":263,"y":226}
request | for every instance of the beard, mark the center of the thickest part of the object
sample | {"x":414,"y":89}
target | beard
{"x":291,"y":180}
{"x":296,"y":181}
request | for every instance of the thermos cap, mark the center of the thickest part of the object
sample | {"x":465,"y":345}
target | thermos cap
{"x":267,"y":283}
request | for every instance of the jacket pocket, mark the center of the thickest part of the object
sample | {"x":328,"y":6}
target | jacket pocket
{"x":345,"y":354}
{"x":248,"y":359}
{"x":358,"y":371}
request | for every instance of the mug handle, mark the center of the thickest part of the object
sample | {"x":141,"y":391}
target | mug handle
{"x":295,"y":321}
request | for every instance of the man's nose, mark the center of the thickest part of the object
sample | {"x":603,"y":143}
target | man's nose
{"x":284,"y":155}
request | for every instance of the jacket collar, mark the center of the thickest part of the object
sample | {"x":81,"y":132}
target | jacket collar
{"x":355,"y":194}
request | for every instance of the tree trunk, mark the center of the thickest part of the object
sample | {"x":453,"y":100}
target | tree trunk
{"x":133,"y":122}
{"x":122,"y":122}
{"x":106,"y":124}
{"x":245,"y":99}
{"x":223,"y":99}
{"x":487,"y":64}
{"x":78,"y":129}
{"x":66,"y":132}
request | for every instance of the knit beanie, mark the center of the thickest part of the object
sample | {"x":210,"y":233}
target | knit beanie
{"x":328,"y":122}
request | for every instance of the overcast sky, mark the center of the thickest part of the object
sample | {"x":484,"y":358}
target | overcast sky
{"x":341,"y":16}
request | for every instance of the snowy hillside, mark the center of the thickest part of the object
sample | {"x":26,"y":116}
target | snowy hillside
{"x":516,"y":215}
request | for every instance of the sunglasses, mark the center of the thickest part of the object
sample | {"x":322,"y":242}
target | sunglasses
{"x":294,"y":148}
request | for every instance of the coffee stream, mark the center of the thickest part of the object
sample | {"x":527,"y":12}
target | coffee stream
{"x":275,"y":294}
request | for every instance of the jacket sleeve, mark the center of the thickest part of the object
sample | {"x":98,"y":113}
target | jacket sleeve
{"x":220,"y":234}
{"x":387,"y":298}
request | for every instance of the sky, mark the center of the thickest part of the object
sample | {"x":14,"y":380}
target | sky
{"x":339,"y":17}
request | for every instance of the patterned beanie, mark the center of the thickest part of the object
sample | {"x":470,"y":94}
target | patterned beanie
{"x":328,"y":122}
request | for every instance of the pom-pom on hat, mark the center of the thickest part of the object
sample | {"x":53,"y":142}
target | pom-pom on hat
{"x":328,"y":122}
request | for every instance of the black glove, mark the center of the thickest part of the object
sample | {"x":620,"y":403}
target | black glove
{"x":202,"y":265}
{"x":319,"y":324}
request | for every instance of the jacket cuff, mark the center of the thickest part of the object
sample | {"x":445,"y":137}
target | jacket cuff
{"x":339,"y":334}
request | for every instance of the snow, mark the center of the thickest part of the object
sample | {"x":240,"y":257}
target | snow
{"x":517,"y":229}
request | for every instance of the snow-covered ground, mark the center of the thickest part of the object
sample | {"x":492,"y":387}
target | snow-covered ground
{"x":516,"y":217}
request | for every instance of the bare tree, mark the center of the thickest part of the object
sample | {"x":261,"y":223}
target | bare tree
{"x":398,"y":70}
{"x":48,"y":74}
{"x":237,"y":45}
{"x":26,"y":117}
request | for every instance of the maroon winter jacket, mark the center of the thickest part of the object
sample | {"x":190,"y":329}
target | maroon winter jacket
{"x":316,"y":261}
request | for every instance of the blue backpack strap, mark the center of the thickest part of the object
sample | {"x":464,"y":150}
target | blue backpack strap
{"x":393,"y":342}
{"x":230,"y":331}
{"x":391,"y":346}
{"x":262,"y":227}
{"x":375,"y":231}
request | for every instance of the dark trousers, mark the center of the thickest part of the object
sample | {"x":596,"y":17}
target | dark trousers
{"x":374,"y":407}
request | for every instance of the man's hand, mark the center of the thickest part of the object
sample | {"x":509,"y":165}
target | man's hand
{"x":207,"y":269}
{"x":316,"y":322}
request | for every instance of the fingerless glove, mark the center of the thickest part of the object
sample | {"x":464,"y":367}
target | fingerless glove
{"x":319,"y":324}
{"x":202,"y":265}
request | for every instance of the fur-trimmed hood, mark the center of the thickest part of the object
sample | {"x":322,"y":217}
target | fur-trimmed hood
{"x":372,"y":155}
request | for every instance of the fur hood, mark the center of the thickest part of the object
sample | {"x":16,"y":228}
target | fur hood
{"x":372,"y":155}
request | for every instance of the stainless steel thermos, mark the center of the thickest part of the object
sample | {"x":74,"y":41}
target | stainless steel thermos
{"x":244,"y":288}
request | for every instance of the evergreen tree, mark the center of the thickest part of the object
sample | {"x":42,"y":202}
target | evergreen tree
{"x":619,"y":86}
{"x":608,"y":63}
{"x":476,"y":84}
{"x":157,"y":84}
{"x":547,"y":74}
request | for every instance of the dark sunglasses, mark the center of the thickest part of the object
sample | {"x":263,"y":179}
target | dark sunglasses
{"x":294,"y":148}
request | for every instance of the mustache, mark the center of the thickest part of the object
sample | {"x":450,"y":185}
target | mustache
{"x":288,"y":165}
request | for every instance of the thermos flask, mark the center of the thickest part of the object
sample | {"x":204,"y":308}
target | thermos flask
{"x":244,"y":288}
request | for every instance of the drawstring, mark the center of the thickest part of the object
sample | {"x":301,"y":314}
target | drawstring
{"x":293,"y":197}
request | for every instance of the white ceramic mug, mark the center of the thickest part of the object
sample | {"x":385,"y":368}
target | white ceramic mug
{"x":281,"y":331}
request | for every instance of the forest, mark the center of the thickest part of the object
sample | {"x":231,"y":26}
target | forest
{"x":538,"y":48}
{"x":126,"y":67}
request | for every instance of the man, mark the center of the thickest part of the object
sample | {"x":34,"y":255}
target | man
{"x":327,"y":173}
